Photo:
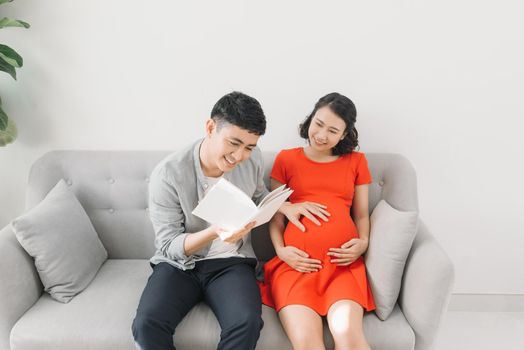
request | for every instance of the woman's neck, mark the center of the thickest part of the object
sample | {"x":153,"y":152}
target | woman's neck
{"x":319,"y":156}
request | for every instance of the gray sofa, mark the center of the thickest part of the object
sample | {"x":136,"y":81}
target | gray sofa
{"x":112,"y":187}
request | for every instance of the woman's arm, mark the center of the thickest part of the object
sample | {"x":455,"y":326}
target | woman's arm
{"x":353,"y":249}
{"x":294,"y":257}
{"x":277,"y":224}
{"x":360,"y":211}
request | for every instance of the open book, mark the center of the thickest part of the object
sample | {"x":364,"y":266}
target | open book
{"x":228,"y":207}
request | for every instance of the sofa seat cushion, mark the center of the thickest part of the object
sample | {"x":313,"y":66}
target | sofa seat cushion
{"x":393,"y":334}
{"x":100,"y":318}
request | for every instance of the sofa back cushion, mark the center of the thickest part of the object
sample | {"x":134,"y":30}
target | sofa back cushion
{"x":58,"y":234}
{"x":112,"y":186}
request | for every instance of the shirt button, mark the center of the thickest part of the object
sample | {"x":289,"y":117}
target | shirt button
{"x":381,"y":183}
{"x":205,"y":185}
{"x":111,"y":210}
{"x":111,"y":181}
{"x":147,"y":179}
{"x":69,"y":182}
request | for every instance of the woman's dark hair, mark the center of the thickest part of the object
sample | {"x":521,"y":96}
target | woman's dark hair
{"x":241,"y":110}
{"x":345,"y":109}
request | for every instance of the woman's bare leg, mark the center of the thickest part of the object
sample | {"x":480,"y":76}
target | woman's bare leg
{"x":303,"y":326}
{"x":345,"y":323}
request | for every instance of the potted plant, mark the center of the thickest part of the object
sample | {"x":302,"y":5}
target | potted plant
{"x":10,"y":60}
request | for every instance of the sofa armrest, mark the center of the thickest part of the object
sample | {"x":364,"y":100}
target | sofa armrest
{"x":426,"y":288}
{"x":20,"y":286}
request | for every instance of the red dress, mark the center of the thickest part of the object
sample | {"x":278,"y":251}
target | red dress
{"x":331,"y":184}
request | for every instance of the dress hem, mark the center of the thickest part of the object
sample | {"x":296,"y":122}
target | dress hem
{"x":325,"y":312}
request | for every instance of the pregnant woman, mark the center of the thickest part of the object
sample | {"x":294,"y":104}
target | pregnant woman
{"x":320,"y":271}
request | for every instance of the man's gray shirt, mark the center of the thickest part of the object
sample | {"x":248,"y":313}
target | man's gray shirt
{"x":176,"y":186}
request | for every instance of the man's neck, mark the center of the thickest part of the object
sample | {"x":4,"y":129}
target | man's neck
{"x":207,"y":168}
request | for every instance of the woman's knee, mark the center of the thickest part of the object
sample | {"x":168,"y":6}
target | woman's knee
{"x":348,"y":337}
{"x":345,"y":323}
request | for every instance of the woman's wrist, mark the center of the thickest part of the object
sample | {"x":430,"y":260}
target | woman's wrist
{"x":279,"y":249}
{"x":366,"y":244}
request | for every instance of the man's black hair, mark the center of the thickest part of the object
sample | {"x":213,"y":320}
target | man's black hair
{"x":241,"y":110}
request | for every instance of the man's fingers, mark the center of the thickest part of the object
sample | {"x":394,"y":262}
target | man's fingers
{"x":319,"y":208}
{"x":325,"y":212}
{"x":233,"y":238}
{"x":241,"y":233}
{"x":318,"y":213}
{"x":250,"y":225}
{"x":322,"y":216}
{"x":298,"y":224}
{"x":308,"y":215}
{"x":321,"y":213}
{"x":318,"y":205}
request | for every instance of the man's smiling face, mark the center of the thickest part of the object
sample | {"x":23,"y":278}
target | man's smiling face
{"x":229,"y":145}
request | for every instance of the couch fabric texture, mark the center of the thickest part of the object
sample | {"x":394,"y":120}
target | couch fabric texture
{"x":59,"y":236}
{"x":391,"y":236}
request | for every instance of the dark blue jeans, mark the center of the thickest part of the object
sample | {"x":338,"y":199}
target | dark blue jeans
{"x":227,"y":285}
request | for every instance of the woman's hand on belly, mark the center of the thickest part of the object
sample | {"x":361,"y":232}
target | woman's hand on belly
{"x":298,"y":259}
{"x":348,"y":252}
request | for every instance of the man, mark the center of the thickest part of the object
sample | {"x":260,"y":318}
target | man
{"x":191,"y":263}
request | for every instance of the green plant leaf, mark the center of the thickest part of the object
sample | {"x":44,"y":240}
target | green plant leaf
{"x":11,"y":56}
{"x":9,"y":134}
{"x":3,"y":119}
{"x":4,"y":1}
{"x":8,"y":22}
{"x":6,"y":67}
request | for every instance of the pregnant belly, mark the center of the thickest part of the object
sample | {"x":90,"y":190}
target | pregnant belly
{"x":317,"y":240}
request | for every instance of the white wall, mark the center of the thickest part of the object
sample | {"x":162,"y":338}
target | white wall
{"x":438,"y":81}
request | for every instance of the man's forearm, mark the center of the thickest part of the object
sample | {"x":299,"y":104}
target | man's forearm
{"x":198,"y":240}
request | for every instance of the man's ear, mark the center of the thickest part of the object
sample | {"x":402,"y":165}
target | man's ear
{"x":210,"y":126}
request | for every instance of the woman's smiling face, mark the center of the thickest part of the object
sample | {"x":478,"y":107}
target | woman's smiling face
{"x":326,"y":129}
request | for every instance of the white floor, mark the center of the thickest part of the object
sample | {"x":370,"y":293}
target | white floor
{"x":464,"y":330}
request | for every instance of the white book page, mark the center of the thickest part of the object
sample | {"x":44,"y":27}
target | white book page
{"x":266,"y":212}
{"x":225,"y":206}
{"x":272,"y":194}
